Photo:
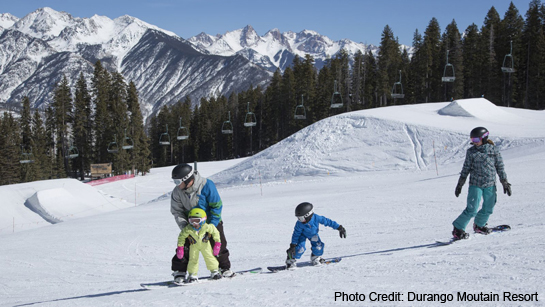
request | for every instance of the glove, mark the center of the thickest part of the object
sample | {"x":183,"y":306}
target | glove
{"x":342,"y":231}
{"x":459,"y":186}
{"x":206,"y":237}
{"x":217,"y":247}
{"x":506,"y":187}
{"x":291,"y":251}
{"x":191,"y":240}
{"x":180,"y":252}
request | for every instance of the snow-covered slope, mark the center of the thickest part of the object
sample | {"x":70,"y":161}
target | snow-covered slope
{"x":393,"y":216}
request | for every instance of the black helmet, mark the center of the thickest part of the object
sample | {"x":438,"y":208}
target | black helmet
{"x":304,"y":212}
{"x":479,"y":132}
{"x":183,"y":173}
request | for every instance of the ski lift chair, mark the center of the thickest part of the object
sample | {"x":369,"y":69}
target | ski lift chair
{"x":127,"y":142}
{"x":164,"y":138}
{"x":250,"y":119}
{"x":113,"y":147}
{"x":336,"y":98}
{"x":448,"y":72}
{"x":508,"y":62}
{"x":227,"y":126}
{"x":72,"y":151}
{"x":26,"y":156}
{"x":183,"y":133}
{"x":397,"y":90}
{"x":300,"y":111}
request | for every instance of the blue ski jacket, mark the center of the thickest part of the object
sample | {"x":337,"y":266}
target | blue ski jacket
{"x":311,"y":228}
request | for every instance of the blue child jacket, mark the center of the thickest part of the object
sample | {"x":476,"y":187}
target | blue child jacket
{"x":311,"y":228}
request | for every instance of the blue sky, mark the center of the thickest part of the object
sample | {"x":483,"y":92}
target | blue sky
{"x":358,"y":20}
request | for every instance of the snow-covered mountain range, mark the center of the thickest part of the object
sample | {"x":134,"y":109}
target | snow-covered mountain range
{"x":36,"y":51}
{"x":274,"y":49}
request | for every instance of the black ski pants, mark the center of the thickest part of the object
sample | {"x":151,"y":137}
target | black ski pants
{"x":223,"y":257}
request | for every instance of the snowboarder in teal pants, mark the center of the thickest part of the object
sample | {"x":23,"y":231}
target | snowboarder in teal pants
{"x":307,"y":227}
{"x":483,"y":161}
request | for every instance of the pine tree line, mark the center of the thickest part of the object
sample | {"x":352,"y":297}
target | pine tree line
{"x":101,"y":124}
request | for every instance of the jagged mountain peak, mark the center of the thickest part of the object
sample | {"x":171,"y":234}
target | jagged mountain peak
{"x":44,"y":23}
{"x":7,"y":20}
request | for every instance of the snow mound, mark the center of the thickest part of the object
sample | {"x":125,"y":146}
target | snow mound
{"x":476,"y":107}
{"x":350,"y":143}
{"x":41,"y":203}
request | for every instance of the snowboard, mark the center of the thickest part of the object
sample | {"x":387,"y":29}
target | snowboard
{"x":499,"y":228}
{"x":172,"y":283}
{"x":275,"y":269}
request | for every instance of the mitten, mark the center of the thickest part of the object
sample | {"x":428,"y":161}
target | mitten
{"x":206,"y":237}
{"x":291,"y":251}
{"x":459,"y":186}
{"x":180,"y":252}
{"x":506,"y":187}
{"x":342,"y":231}
{"x":191,"y":240}
{"x":217,"y":247}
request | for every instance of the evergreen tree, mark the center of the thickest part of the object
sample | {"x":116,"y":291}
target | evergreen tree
{"x":452,"y":44}
{"x":434,"y":62}
{"x":140,"y":153}
{"x":102,"y":125}
{"x":50,"y":128}
{"x":62,"y":107}
{"x":532,"y":56}
{"x":10,"y":151}
{"x":42,"y":163}
{"x":83,"y":124}
{"x":416,"y":79}
{"x":118,"y":117}
{"x":27,"y":145}
{"x":389,"y":64}
{"x":491,"y":74}
{"x":473,"y":59}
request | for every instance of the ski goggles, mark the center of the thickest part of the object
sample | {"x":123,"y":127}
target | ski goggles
{"x":197,"y":220}
{"x":478,"y":139}
{"x":185,"y":179}
{"x":303,"y":218}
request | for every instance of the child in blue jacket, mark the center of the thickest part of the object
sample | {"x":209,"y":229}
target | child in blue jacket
{"x":307,"y":227}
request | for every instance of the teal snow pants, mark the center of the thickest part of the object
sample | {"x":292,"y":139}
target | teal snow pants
{"x":472,"y":210}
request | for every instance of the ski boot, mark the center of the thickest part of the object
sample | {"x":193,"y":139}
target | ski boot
{"x":215,"y":274}
{"x":291,"y":264}
{"x":191,"y":279}
{"x":227,"y":273}
{"x":316,"y":260}
{"x":459,"y":234}
{"x":179,"y":277}
{"x":482,"y":230}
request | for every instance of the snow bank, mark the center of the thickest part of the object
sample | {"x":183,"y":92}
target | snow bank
{"x":40,"y":203}
{"x":477,"y":107}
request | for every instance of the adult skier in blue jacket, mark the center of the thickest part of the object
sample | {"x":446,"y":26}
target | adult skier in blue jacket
{"x":307,"y":227}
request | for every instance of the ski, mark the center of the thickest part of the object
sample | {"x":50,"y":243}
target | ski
{"x":275,"y":269}
{"x":499,"y":228}
{"x":172,"y":283}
